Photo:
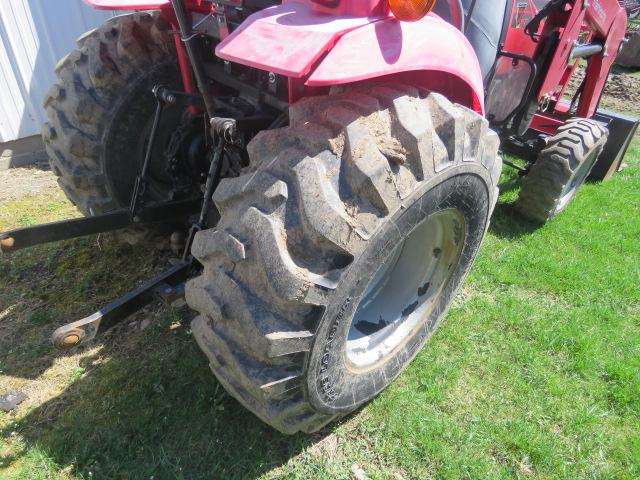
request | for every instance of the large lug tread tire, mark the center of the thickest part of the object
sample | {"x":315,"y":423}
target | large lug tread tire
{"x":94,"y":81}
{"x":576,"y":142}
{"x":314,"y":194}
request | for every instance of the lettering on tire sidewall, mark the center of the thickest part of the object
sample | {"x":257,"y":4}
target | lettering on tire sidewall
{"x":327,"y":387}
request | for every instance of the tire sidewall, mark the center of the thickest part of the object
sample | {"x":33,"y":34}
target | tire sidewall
{"x":333,"y":387}
{"x":592,"y":158}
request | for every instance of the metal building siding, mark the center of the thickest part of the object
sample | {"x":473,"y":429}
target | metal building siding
{"x":34,"y":35}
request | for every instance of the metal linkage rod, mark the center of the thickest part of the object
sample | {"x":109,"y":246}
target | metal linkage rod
{"x":78,"y":227}
{"x":81,"y":331}
{"x":212,"y":181}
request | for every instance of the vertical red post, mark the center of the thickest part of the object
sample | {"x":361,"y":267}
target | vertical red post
{"x":183,"y":62}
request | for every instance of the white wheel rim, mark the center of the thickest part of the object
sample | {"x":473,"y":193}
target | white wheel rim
{"x":402,"y":293}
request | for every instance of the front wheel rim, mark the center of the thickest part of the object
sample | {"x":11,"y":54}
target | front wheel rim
{"x":579,"y":177}
{"x":405,"y":288}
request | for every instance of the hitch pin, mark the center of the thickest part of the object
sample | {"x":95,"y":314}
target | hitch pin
{"x":7,"y":244}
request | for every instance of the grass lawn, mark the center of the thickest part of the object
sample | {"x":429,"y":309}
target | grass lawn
{"x":534,"y":374}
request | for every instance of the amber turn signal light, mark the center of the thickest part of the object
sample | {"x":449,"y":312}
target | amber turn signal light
{"x":411,"y":10}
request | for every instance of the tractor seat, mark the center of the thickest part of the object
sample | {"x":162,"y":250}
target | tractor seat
{"x":484,"y":24}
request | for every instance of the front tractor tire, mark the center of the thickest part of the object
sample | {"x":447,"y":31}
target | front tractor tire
{"x":101,"y":107}
{"x":561,"y":169}
{"x":340,"y":249}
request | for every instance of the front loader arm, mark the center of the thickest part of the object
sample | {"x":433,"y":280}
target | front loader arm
{"x":606,"y":21}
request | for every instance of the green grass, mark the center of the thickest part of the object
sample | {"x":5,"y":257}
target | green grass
{"x":534,"y":374}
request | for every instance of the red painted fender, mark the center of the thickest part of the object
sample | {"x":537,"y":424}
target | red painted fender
{"x":294,"y":41}
{"x":288,"y":39}
{"x":430,"y":51}
{"x":128,"y":4}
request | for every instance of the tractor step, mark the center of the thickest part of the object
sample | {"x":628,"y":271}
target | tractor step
{"x":79,"y":227}
{"x":168,"y":286}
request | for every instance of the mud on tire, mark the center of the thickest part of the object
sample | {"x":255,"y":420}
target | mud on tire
{"x":97,"y":109}
{"x":304,"y":229}
{"x":561,"y":169}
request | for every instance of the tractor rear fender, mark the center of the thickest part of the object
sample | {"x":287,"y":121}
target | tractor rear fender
{"x":429,"y":52}
{"x":294,"y":41}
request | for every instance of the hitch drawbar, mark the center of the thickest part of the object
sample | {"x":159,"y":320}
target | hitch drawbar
{"x":79,"y":227}
{"x":168,"y":286}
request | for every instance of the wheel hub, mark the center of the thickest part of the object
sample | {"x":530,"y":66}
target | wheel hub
{"x":405,"y":288}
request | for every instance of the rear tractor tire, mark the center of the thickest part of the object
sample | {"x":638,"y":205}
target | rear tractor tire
{"x":340,"y":249}
{"x":101,"y":107}
{"x":561,"y":169}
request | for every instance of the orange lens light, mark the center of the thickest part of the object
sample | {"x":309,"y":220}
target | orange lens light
{"x":411,"y":10}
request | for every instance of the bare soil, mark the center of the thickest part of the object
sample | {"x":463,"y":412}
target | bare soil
{"x":16,"y":183}
{"x":622,"y":92}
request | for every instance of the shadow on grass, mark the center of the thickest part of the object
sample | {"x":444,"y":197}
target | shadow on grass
{"x":152,"y":409}
{"x":143,"y":404}
{"x":47,"y":286}
{"x":507,"y":223}
{"x":146,"y":404}
{"x":510,"y":182}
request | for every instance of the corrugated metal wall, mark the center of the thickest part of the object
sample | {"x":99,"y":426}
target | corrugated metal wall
{"x":34,"y":35}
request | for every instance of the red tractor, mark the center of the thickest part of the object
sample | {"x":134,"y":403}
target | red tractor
{"x":327,"y":168}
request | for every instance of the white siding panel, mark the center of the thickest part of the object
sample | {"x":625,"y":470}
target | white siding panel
{"x":34,"y":35}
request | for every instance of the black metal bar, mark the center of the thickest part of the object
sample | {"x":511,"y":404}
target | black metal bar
{"x":194,"y":56}
{"x":176,"y":97}
{"x":79,"y":227}
{"x":83,"y":330}
{"x":526,"y":148}
{"x":527,"y":91}
{"x":210,"y":185}
{"x":517,"y":167}
{"x":140,"y":184}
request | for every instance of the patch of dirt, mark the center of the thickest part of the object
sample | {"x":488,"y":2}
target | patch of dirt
{"x":19,"y":182}
{"x":621,"y":92}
